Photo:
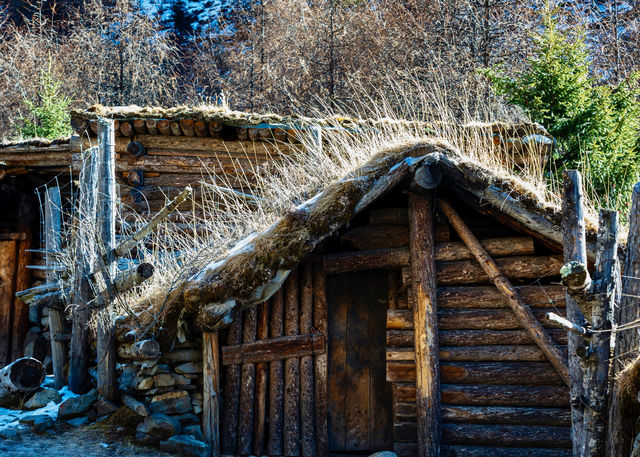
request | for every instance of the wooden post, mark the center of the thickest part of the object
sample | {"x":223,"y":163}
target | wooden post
{"x":106,"y":206}
{"x":627,"y":342}
{"x":85,"y":261}
{"x":21,"y":309}
{"x":515,"y":301}
{"x":247,"y":387}
{"x":306,"y":364}
{"x":53,"y":242}
{"x":260,"y":416}
{"x":291,"y":370}
{"x":211,"y":389}
{"x":596,"y":366}
{"x":574,"y":249}
{"x":276,"y":379}
{"x":8,"y":257}
{"x":320,"y":320}
{"x":229,"y":438}
{"x":425,"y":318}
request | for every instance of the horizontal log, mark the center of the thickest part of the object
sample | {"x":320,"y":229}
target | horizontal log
{"x":135,"y":406}
{"x":507,"y":435}
{"x":548,"y":296}
{"x":404,"y":338}
{"x":495,"y":373}
{"x":521,"y":267}
{"x":146,"y":349}
{"x":404,"y":411}
{"x":183,"y":143}
{"x":560,"y":417}
{"x":444,"y":252}
{"x":468,"y":319}
{"x":280,"y":348}
{"x":367,"y":237}
{"x":498,"y":353}
{"x":405,"y":432}
{"x":491,"y":395}
{"x":389,"y":216}
{"x":187,"y":179}
{"x":493,"y":451}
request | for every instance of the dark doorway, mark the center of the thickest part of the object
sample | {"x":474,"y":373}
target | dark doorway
{"x":359,"y":406}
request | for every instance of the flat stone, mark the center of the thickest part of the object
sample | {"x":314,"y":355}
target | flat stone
{"x":189,"y":368}
{"x":77,"y":406}
{"x":183,"y":355}
{"x":163,"y":380}
{"x":194,"y":430}
{"x":42,"y":398}
{"x":105,"y":407}
{"x":170,"y":403}
{"x":78,"y":421}
{"x":31,"y":418}
{"x":42,"y":424}
{"x":384,"y":454}
{"x":157,"y":427}
{"x":186,"y":445}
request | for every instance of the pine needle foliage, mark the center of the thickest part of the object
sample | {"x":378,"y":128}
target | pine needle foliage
{"x":595,"y":123}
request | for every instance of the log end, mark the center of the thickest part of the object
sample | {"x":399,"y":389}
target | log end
{"x":26,"y":374}
{"x":145,"y":270}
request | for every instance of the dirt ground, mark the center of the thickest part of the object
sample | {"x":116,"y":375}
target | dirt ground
{"x":72,"y":442}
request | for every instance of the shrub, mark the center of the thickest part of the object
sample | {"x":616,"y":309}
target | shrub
{"x":49,"y":112}
{"x":595,"y":124}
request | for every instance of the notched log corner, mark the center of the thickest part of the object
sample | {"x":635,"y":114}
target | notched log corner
{"x":575,"y":276}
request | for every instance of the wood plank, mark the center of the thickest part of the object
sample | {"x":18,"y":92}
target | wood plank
{"x":280,"y":348}
{"x":469,"y":319}
{"x":307,"y":426}
{"x":20,"y":309}
{"x":247,"y":387}
{"x":507,"y":435}
{"x":516,"y":373}
{"x":493,"y":451}
{"x":320,"y":320}
{"x":260,"y":416}
{"x":404,"y":338}
{"x":211,"y":390}
{"x":493,"y":353}
{"x":366,"y":237}
{"x":8,"y":260}
{"x":397,"y":257}
{"x":337,"y":320}
{"x":292,"y":370}
{"x":547,"y":296}
{"x":276,"y":379}
{"x":231,"y":403}
{"x":560,"y":417}
{"x":425,"y":317}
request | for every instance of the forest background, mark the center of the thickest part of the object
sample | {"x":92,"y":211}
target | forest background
{"x":570,"y":65}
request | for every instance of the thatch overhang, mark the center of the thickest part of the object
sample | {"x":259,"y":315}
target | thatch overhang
{"x":258,"y":265}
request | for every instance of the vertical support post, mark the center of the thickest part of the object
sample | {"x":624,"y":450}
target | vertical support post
{"x":291,"y":442}
{"x":260,"y":416}
{"x":21,"y":309}
{"x":574,"y":249}
{"x":53,"y":244}
{"x":106,"y":206}
{"x":211,"y":386}
{"x":627,"y":342}
{"x":230,"y":406}
{"x":320,"y":320}
{"x":85,"y":262}
{"x":596,"y":367}
{"x":247,"y":387}
{"x":425,"y":322}
{"x":276,"y":379}
{"x":306,"y":364}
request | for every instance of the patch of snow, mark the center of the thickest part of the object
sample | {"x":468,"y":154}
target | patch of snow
{"x":10,"y":418}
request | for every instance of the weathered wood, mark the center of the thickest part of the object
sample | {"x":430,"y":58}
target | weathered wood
{"x":425,"y":317}
{"x":560,"y":417}
{"x":134,"y":405}
{"x":152,"y":127}
{"x":211,"y":392}
{"x":307,"y":426}
{"x":404,"y":338}
{"x":8,"y":257}
{"x":21,"y":310}
{"x":270,"y":350}
{"x":497,"y":353}
{"x":399,"y":257}
{"x":389,"y":216}
{"x":507,"y":435}
{"x":276,"y":379}
{"x":596,"y":367}
{"x":187,"y":127}
{"x":516,"y":302}
{"x":53,"y":242}
{"x":260,"y":416}
{"x":164,"y":126}
{"x":136,"y":149}
{"x":21,"y":375}
{"x":493,"y":451}
{"x":521,"y":267}
{"x":106,"y":226}
{"x":516,"y":373}
{"x":495,"y":395}
{"x":620,"y":426}
{"x":201,"y":129}
{"x":126,"y":129}
{"x":128,"y":279}
{"x":231,"y":403}
{"x":426,"y":177}
{"x":471,"y":319}
{"x":142,"y":350}
{"x":175,"y":128}
{"x":139,"y":126}
{"x":291,"y":430}
{"x":574,"y":249}
{"x":538,"y":296}
{"x":320,"y":361}
{"x":569,"y":326}
{"x":247,"y":387}
{"x":180,"y":144}
{"x":394,"y":177}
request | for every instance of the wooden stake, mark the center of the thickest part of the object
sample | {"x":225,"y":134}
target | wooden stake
{"x":514,"y":299}
{"x":231,"y":391}
{"x":53,"y":242}
{"x":106,"y":206}
{"x":306,"y":364}
{"x":276,"y":380}
{"x":247,"y":387}
{"x":260,"y":416}
{"x":574,"y":249}
{"x":425,"y":316}
{"x":320,"y":361}
{"x":211,"y":389}
{"x":291,"y":371}
{"x":596,"y":367}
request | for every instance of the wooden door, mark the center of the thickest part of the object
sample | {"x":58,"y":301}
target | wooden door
{"x":359,"y":398}
{"x":8,"y":260}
